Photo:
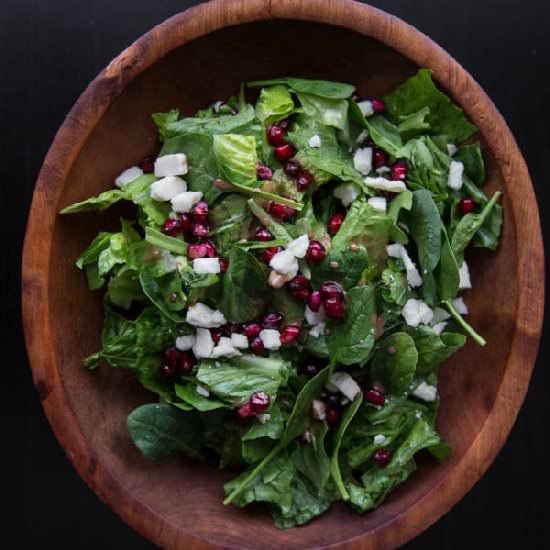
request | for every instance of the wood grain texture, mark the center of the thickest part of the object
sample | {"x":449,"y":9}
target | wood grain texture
{"x":194,"y":58}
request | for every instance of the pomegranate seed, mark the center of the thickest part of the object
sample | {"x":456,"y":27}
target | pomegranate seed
{"x":257,"y":346}
{"x":379,"y":158}
{"x":291,"y":168}
{"x":275,"y":135}
{"x":199,"y":212}
{"x":197,"y":251}
{"x":311,"y":370}
{"x":289,"y":334}
{"x":224,"y":264}
{"x":314,"y":301}
{"x":399,"y":170}
{"x":378,"y":105}
{"x":171,"y":356}
{"x":260,"y":401}
{"x":316,"y":252}
{"x":263,"y":235}
{"x":246,"y":410}
{"x":216,"y":333}
{"x":302,"y":295}
{"x":270,"y":252}
{"x":466,"y":205}
{"x":335,"y":222}
{"x":186,"y":362}
{"x":305,"y":177}
{"x":281,"y":211}
{"x":148,"y":165}
{"x":374,"y":396}
{"x":251,"y":330}
{"x":331,"y":289}
{"x":234,"y":328}
{"x":335,"y":308}
{"x":333,"y":416}
{"x":186,"y":222}
{"x":382,"y":456}
{"x":298,"y":285}
{"x":167,"y":371}
{"x":200,"y":230}
{"x":171,"y":227}
{"x":272,"y":320}
{"x":263,"y":172}
{"x":211,"y":251}
{"x":284,"y":152}
{"x":284,"y":124}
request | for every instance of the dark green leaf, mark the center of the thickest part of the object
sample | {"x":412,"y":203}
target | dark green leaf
{"x":322,"y":88}
{"x":188,"y":393}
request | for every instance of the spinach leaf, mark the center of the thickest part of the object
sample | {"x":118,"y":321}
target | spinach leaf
{"x":352,"y":340}
{"x":448,"y":273}
{"x":345,"y":265}
{"x":275,"y":228}
{"x":414,"y":123}
{"x":472,"y":159}
{"x":327,"y":111}
{"x":311,"y":459}
{"x":321,"y":88}
{"x":396,"y":288}
{"x":305,"y":127}
{"x":96,"y":247}
{"x":236,"y":156}
{"x":99,"y":202}
{"x":272,"y":428}
{"x":274,"y":103}
{"x":124,"y":288}
{"x":403,"y":201}
{"x":161,"y":240}
{"x":162,"y":119}
{"x":160,"y":430}
{"x":335,"y":167}
{"x":188,"y":393}
{"x":162,"y":290}
{"x":477,"y":338}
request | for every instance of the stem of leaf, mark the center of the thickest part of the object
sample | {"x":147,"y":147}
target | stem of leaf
{"x":460,"y":320}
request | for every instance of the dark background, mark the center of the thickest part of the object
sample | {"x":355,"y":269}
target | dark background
{"x":49,"y":51}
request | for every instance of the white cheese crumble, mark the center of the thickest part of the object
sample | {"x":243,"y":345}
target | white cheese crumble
{"x":206,"y":265}
{"x":383,"y":170}
{"x":171,"y":165}
{"x":346,"y":192}
{"x":417,"y":312}
{"x":456,"y":172}
{"x":239,"y":341}
{"x":344,"y":383}
{"x":315,"y":317}
{"x":383,"y":184}
{"x":263,"y":417}
{"x":451,"y":149}
{"x":202,"y":391}
{"x":185,"y":343}
{"x":379,"y":439}
{"x":318,"y":330}
{"x":460,"y":305}
{"x":285,"y":262}
{"x":128,"y":176}
{"x":426,"y":392}
{"x":399,"y":251}
{"x":318,"y":409}
{"x":438,"y":328}
{"x":184,"y":202}
{"x":314,"y":141}
{"x":216,"y":106}
{"x":363,"y":135}
{"x":380,"y":203}
{"x":270,"y":338}
{"x":298,"y":246}
{"x":465,"y":280}
{"x":200,"y":315}
{"x":203,"y":346}
{"x":362,"y":160}
{"x":440,"y":315}
{"x":366,"y":108}
{"x":225,"y":348}
{"x":167,"y":188}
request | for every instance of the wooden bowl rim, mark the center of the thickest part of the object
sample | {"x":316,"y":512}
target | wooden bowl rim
{"x":83,"y":118}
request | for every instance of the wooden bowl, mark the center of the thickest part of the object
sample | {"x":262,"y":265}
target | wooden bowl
{"x":189,"y":61}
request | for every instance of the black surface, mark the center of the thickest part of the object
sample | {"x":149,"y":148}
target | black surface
{"x":49,"y":51}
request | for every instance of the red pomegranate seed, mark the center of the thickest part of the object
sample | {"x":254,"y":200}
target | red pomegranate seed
{"x":263,"y":172}
{"x":331,"y":289}
{"x":275,"y":135}
{"x":197,"y":251}
{"x":148,"y":165}
{"x":378,"y":105}
{"x":333,"y":416}
{"x":382,"y":456}
{"x":200,"y":230}
{"x":186,"y":362}
{"x":224,"y":264}
{"x":281,"y":211}
{"x":305,"y":178}
{"x":335,"y":308}
{"x":335,"y":223}
{"x":211,"y":251}
{"x":263,"y":235}
{"x":257,"y":346}
{"x":291,"y":168}
{"x":316,"y":252}
{"x":284,"y":124}
{"x":289,"y":334}
{"x":246,"y":410}
{"x":260,"y":401}
{"x":314,"y":301}
{"x":186,"y":222}
{"x":466,"y":205}
{"x":216,"y":333}
{"x":379,"y":158}
{"x":374,"y":396}
{"x":171,"y":227}
{"x":272,"y":320}
{"x":171,"y":356}
{"x":299,"y":287}
{"x":284,"y":152}
{"x":251,"y":330}
{"x":270,"y":252}
{"x":399,"y":170}
{"x":167,"y":371}
{"x":199,"y":212}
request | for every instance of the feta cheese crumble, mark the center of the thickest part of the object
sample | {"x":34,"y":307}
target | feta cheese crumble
{"x":417,"y":312}
{"x":451,"y":149}
{"x":456,"y":172}
{"x":171,"y":165}
{"x":128,"y":176}
{"x":167,"y":188}
{"x":438,"y":328}
{"x":285,"y":262}
{"x":315,"y":317}
{"x":184,"y":202}
{"x":185,"y":343}
{"x":203,"y":346}
{"x":318,"y":330}
{"x":314,"y":141}
{"x":202,"y":391}
{"x":465,"y":280}
{"x":363,"y":135}
{"x":270,"y":338}
{"x":318,"y":409}
{"x":460,"y":305}
{"x":344,"y":383}
{"x":440,"y":315}
{"x":383,"y":184}
{"x":346,"y":192}
{"x":362,"y":160}
{"x":379,"y":439}
{"x":399,"y":251}
{"x":366,"y":108}
{"x":298,"y":247}
{"x":225,"y":348}
{"x":200,"y":315}
{"x":206,"y":265}
{"x":239,"y":341}
{"x":426,"y":392}
{"x":380,"y":203}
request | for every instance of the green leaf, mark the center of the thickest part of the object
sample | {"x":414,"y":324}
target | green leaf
{"x":100,"y":202}
{"x":161,"y":292}
{"x":161,"y":240}
{"x":163,"y":119}
{"x":470,"y":155}
{"x":403,"y":201}
{"x":160,"y":430}
{"x":344,"y":265}
{"x":327,"y":111}
{"x":311,"y":459}
{"x":236,"y":155}
{"x":396,"y":287}
{"x":478,"y":339}
{"x":274,"y":103}
{"x":322,"y":88}
{"x":188,"y":393}
{"x":97,"y":246}
{"x":448,"y":273}
{"x":335,"y":167}
{"x":124,"y":288}
{"x":414,"y":122}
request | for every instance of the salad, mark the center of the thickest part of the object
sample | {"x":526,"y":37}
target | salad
{"x":291,"y":284}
